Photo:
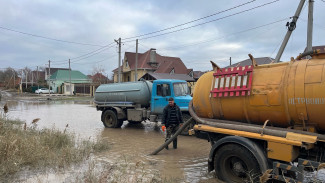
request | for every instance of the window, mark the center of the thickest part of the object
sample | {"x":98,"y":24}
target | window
{"x":163,"y":90}
{"x":181,"y":89}
{"x":126,"y":64}
{"x":172,"y":71}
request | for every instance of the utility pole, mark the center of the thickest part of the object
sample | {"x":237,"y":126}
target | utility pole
{"x":70,"y":78}
{"x":26,"y":75}
{"x":291,"y":26}
{"x":14,"y":77}
{"x":37,"y":78}
{"x":49,"y":77}
{"x":136,"y":62}
{"x":119,"y":60}
{"x":230,"y":61}
{"x":32,"y":78}
{"x":310,"y":26}
{"x":21,"y":81}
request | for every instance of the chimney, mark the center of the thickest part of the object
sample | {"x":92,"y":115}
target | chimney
{"x":152,"y":55}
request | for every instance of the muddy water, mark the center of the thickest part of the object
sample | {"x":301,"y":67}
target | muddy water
{"x":135,"y":141}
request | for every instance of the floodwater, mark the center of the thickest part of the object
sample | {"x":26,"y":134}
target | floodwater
{"x":188,"y":163}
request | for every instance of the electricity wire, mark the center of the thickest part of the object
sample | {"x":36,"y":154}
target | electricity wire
{"x":225,"y":36}
{"x":221,"y":18}
{"x":190,"y":21}
{"x":45,"y":37}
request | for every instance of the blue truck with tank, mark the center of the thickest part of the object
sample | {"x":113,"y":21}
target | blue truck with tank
{"x":140,"y":101}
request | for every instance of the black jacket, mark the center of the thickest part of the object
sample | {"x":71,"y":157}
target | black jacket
{"x":166,"y":115}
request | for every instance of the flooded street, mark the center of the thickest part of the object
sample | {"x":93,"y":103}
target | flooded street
{"x":132,"y":141}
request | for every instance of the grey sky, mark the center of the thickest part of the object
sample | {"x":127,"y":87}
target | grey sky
{"x":99,"y":22}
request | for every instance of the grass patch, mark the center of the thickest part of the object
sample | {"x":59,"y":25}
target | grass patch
{"x":23,"y":146}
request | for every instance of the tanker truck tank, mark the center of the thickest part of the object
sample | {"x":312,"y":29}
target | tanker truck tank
{"x":289,"y":95}
{"x":124,"y":93}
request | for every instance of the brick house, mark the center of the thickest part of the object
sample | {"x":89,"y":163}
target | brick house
{"x":152,"y":62}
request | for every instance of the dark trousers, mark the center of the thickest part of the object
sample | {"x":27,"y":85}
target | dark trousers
{"x":171,"y":130}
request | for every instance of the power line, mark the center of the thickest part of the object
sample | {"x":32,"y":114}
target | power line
{"x":190,"y":21}
{"x":85,"y":56}
{"x":97,"y":61}
{"x":228,"y":35}
{"x":44,"y":37}
{"x":90,"y":55}
{"x":97,"y":50}
{"x":75,"y":61}
{"x":250,"y":9}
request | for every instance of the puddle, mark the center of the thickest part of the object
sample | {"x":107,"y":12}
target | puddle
{"x":188,"y":163}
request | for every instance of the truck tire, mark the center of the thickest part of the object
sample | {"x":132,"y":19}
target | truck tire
{"x":190,"y":126}
{"x":234,"y":163}
{"x":110,"y":119}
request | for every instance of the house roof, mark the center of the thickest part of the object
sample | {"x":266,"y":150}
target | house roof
{"x":53,"y":70}
{"x":168,"y":76}
{"x":320,"y":48}
{"x":40,"y":74}
{"x":165,"y":63}
{"x":259,"y":61}
{"x":197,"y":74}
{"x":65,"y":76}
{"x":97,"y":75}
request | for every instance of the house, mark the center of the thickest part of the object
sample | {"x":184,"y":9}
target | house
{"x":99,"y":79}
{"x":150,"y":61}
{"x":259,"y":61}
{"x":150,"y":76}
{"x":50,"y":71}
{"x":197,"y":74}
{"x":60,"y":82}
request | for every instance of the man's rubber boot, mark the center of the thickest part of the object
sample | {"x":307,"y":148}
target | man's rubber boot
{"x":175,"y":144}
{"x":167,"y":145}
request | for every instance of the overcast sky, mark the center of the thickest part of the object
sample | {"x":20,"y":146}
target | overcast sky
{"x":96,"y":23}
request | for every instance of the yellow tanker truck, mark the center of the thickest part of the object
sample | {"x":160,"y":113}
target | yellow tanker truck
{"x":263,"y":118}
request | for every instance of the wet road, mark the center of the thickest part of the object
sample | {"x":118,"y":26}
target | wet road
{"x":188,"y":163}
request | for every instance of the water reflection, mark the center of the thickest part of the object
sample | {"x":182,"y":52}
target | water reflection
{"x":135,"y":141}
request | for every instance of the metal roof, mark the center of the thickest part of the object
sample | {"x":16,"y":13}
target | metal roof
{"x":259,"y":61}
{"x":65,"y":76}
{"x":168,"y":76}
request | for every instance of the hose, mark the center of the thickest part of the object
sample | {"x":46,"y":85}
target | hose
{"x":188,"y":122}
{"x":274,"y":131}
{"x":233,"y":125}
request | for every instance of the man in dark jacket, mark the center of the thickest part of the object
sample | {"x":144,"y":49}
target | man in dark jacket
{"x":172,"y":119}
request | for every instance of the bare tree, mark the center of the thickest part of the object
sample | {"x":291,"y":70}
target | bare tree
{"x":9,"y":78}
{"x":98,"y":75}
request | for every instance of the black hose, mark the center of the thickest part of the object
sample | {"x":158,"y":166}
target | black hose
{"x":233,"y":125}
{"x":274,"y":131}
{"x":188,"y":122}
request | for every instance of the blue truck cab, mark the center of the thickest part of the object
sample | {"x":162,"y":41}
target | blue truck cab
{"x":140,"y":101}
{"x":163,"y":89}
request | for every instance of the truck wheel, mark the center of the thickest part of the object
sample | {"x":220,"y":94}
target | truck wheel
{"x":190,"y":126}
{"x":235,"y":163}
{"x":110,"y":119}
